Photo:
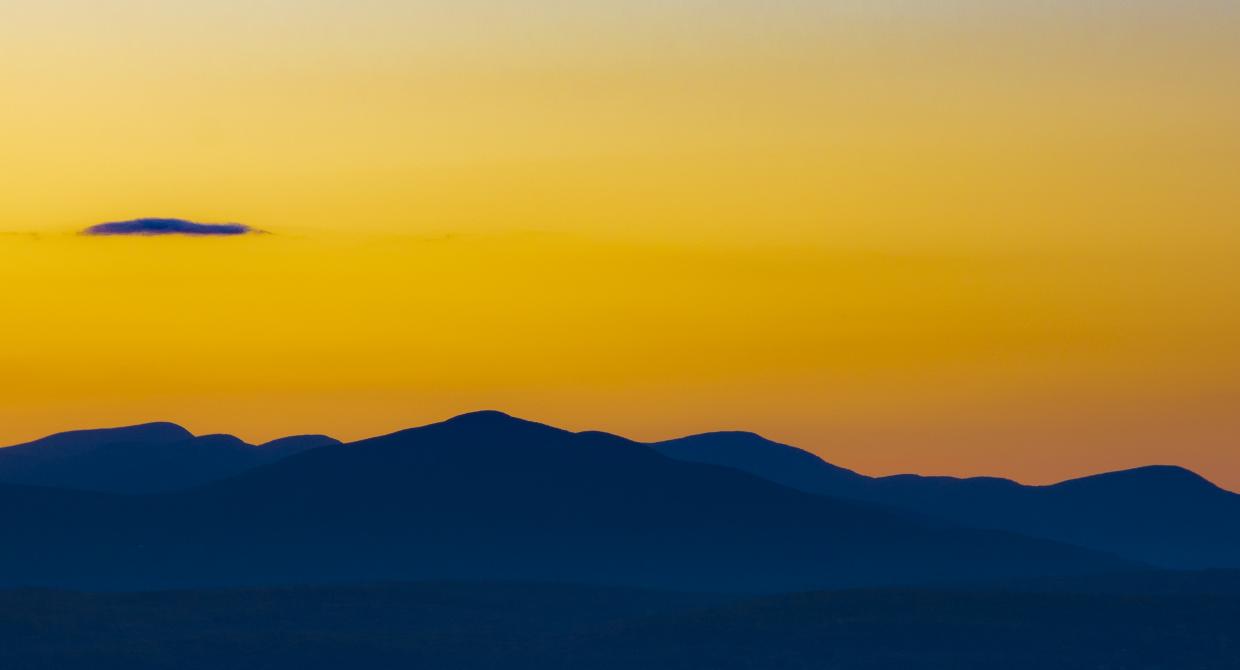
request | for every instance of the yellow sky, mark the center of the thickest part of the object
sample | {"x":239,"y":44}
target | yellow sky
{"x":936,"y":237}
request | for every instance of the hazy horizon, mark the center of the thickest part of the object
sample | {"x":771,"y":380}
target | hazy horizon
{"x":952,"y":237}
{"x":648,"y":440}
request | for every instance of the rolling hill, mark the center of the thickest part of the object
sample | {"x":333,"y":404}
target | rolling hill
{"x":1162,"y":515}
{"x":148,"y":458}
{"x":488,"y":496}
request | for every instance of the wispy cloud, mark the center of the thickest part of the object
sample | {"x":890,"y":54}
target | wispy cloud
{"x":169,"y":227}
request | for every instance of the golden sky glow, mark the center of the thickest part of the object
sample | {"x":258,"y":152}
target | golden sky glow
{"x":928,"y":236}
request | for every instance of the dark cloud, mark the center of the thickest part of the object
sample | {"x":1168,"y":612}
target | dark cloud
{"x":168,"y":227}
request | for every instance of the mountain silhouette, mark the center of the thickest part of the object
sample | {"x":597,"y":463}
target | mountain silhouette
{"x":759,"y":456}
{"x":1163,"y":515}
{"x":488,"y":496}
{"x":147,"y":458}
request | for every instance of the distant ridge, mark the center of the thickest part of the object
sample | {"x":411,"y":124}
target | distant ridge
{"x":777,"y":462}
{"x":157,"y":432}
{"x":485,"y":496}
{"x":146,"y":458}
{"x":300,"y":442}
{"x":1161,"y":514}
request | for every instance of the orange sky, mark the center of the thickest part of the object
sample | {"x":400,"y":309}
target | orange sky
{"x":911,"y":236}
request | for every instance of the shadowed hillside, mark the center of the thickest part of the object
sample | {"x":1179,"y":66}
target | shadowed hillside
{"x":487,"y":496}
{"x":148,"y":458}
{"x":1159,"y":514}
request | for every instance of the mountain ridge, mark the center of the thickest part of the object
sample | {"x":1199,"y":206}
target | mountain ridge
{"x":144,"y":458}
{"x":1160,"y":515}
{"x":1165,"y":515}
{"x":487,"y":496}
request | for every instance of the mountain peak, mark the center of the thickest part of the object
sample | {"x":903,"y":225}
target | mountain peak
{"x":158,"y":432}
{"x":220,"y":440}
{"x":1164,"y":475}
{"x":1164,"y":471}
{"x":299,"y":442}
{"x":486,"y":425}
{"x":488,"y":415}
{"x":163,"y":428}
{"x":731,"y":437}
{"x":491,"y":420}
{"x":757,"y":455}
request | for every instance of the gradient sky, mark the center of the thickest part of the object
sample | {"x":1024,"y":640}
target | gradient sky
{"x":938,"y":236}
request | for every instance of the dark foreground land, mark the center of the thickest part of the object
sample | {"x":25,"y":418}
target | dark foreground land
{"x":1177,"y":625}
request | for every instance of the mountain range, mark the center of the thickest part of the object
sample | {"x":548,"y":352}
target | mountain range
{"x":488,"y":496}
{"x":148,"y":458}
{"x":1162,"y":515}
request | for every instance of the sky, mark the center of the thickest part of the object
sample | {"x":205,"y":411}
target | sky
{"x":935,"y":236}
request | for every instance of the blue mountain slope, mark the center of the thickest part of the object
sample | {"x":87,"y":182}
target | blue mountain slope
{"x":1163,"y":515}
{"x":148,"y":458}
{"x":487,"y":496}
